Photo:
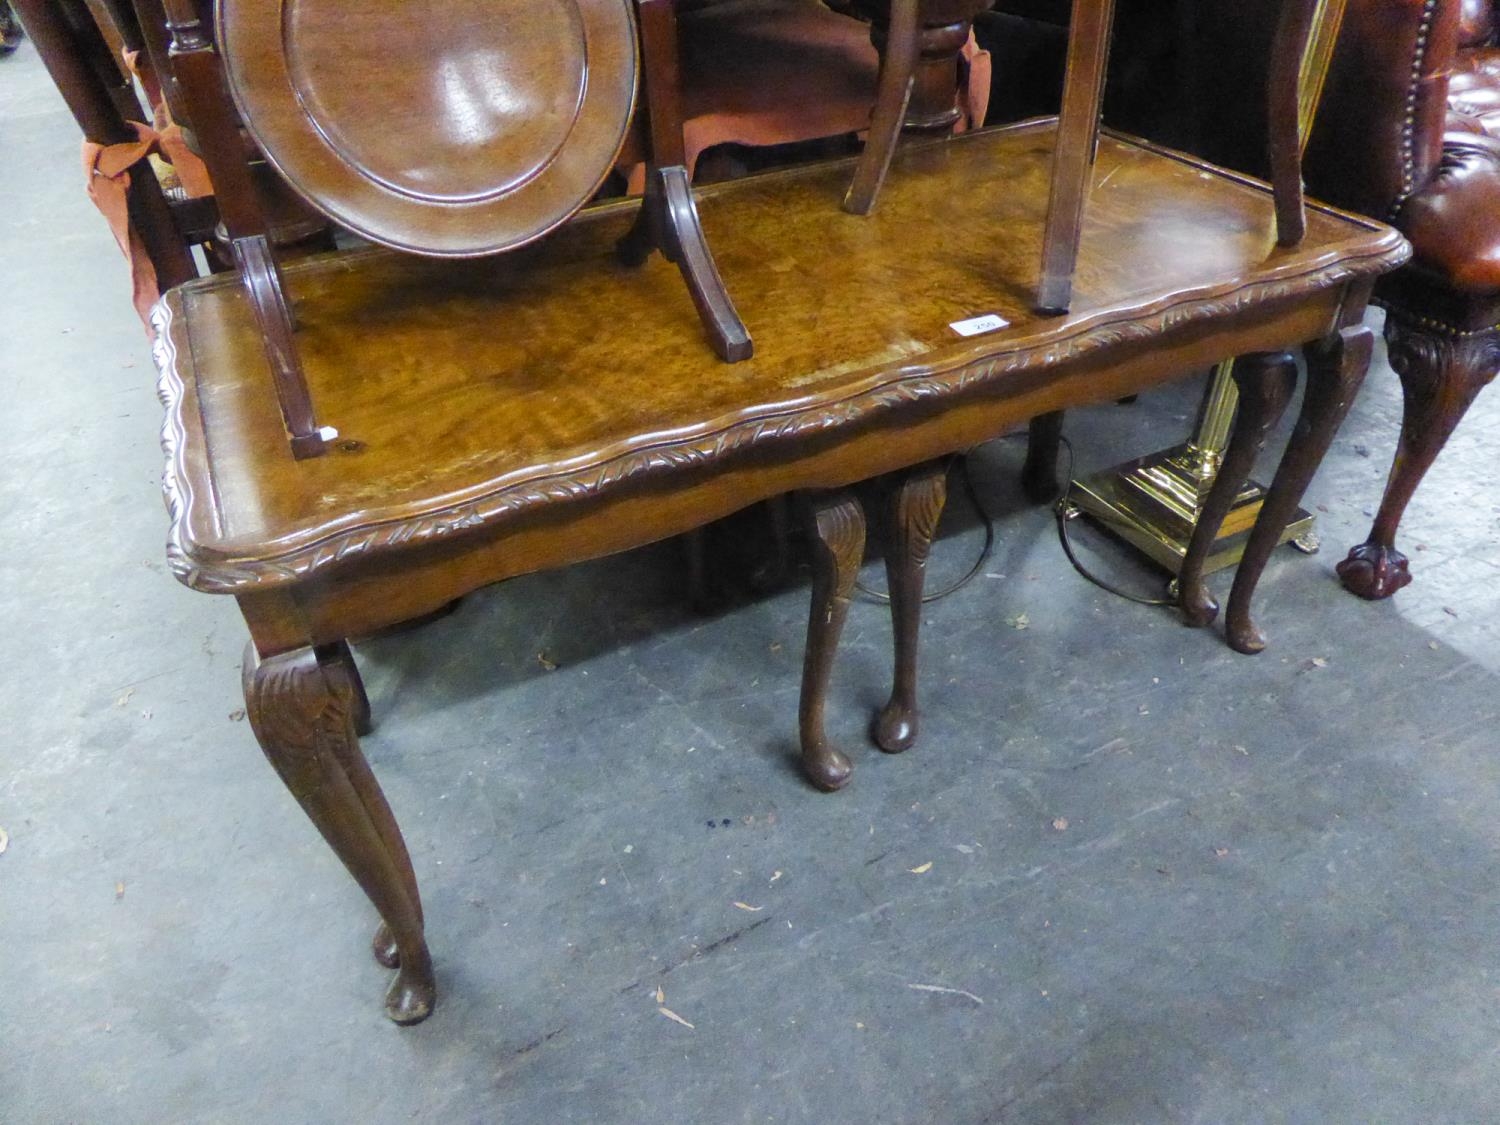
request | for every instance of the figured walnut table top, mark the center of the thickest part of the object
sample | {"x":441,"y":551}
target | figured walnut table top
{"x":469,"y":393}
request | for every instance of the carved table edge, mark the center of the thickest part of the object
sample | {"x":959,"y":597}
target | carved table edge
{"x":211,"y":569}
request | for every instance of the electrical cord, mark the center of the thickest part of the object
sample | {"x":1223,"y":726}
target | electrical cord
{"x":984,"y":553}
{"x":1066,"y":513}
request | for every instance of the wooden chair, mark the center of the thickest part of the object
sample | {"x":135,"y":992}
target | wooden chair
{"x":1078,"y":137}
{"x":1078,"y":130}
{"x":159,"y":213}
{"x":449,"y":170}
{"x":103,"y":102}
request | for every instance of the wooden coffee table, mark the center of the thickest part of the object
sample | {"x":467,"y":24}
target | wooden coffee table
{"x":505,"y":416}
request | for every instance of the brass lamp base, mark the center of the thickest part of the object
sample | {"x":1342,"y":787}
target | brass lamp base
{"x":1153,"y":503}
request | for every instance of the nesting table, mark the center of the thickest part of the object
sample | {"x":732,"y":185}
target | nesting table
{"x":500,"y":417}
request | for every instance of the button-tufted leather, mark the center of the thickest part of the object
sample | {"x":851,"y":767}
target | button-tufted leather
{"x":1477,"y":22}
{"x":1453,"y":215}
{"x":1454,"y":221}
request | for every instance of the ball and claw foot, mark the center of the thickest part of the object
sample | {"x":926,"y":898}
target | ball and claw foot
{"x":1374,"y":572}
{"x":895,"y":728}
{"x":828,"y":769}
{"x":412,"y":994}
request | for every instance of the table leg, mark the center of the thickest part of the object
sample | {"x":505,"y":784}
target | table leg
{"x":837,"y":525}
{"x":1039,"y":474}
{"x":1265,"y":381}
{"x":1336,"y":367}
{"x":912,"y":512}
{"x":302,"y":706}
{"x":341,"y":653}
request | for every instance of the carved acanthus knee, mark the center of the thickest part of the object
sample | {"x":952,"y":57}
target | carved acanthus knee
{"x":303,"y":706}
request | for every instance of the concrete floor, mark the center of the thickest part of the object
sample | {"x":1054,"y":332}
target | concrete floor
{"x":1127,"y":876}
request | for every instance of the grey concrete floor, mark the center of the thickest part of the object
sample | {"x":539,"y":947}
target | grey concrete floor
{"x":1127,"y":876}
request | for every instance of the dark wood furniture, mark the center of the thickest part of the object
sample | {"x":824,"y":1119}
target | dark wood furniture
{"x":468,"y":455}
{"x":161,"y":221}
{"x":102,"y":101}
{"x":1091,"y":31}
{"x":1407,"y":131}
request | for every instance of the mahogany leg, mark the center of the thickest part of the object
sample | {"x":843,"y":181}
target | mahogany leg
{"x":668,"y":221}
{"x":1294,"y":27}
{"x":1336,"y":367}
{"x":273,"y":316}
{"x":837,"y":525}
{"x":912,"y":513}
{"x":1039,"y":475}
{"x":695,"y":550}
{"x":1440,"y":376}
{"x":944,"y":29}
{"x":773,"y":572}
{"x":383,"y":945}
{"x":1074,"y":150}
{"x":342,"y":654}
{"x":683,"y":245}
{"x":1265,"y":381}
{"x":898,"y":64}
{"x":302,"y":707}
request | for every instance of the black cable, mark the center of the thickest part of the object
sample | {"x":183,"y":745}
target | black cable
{"x":1066,"y":513}
{"x":984,"y":554}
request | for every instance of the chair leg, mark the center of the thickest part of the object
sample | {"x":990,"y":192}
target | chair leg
{"x":1039,"y":474}
{"x":898,"y":65}
{"x":1294,"y":28}
{"x":302,"y":706}
{"x":1265,"y":381}
{"x":1440,"y":376}
{"x":668,"y":221}
{"x":913,"y":509}
{"x":837,"y":525}
{"x":273,"y":316}
{"x":1336,"y":367}
{"x":1073,"y":155}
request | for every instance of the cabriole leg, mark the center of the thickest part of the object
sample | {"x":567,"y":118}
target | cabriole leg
{"x":837,"y":525}
{"x":1336,"y":367}
{"x":912,"y":514}
{"x":1440,"y":376}
{"x":302,"y":706}
{"x":1265,"y":381}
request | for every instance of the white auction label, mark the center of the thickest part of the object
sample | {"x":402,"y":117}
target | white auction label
{"x":976,"y":325}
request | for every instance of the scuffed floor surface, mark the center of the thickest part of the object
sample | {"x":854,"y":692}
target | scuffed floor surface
{"x":1126,"y":876}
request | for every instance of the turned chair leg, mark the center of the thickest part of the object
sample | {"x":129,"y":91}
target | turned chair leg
{"x":912,"y":512}
{"x":1336,"y":367}
{"x":302,"y":706}
{"x":1039,"y":475}
{"x":1265,"y":381}
{"x":837,"y":530}
{"x":1440,"y":376}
